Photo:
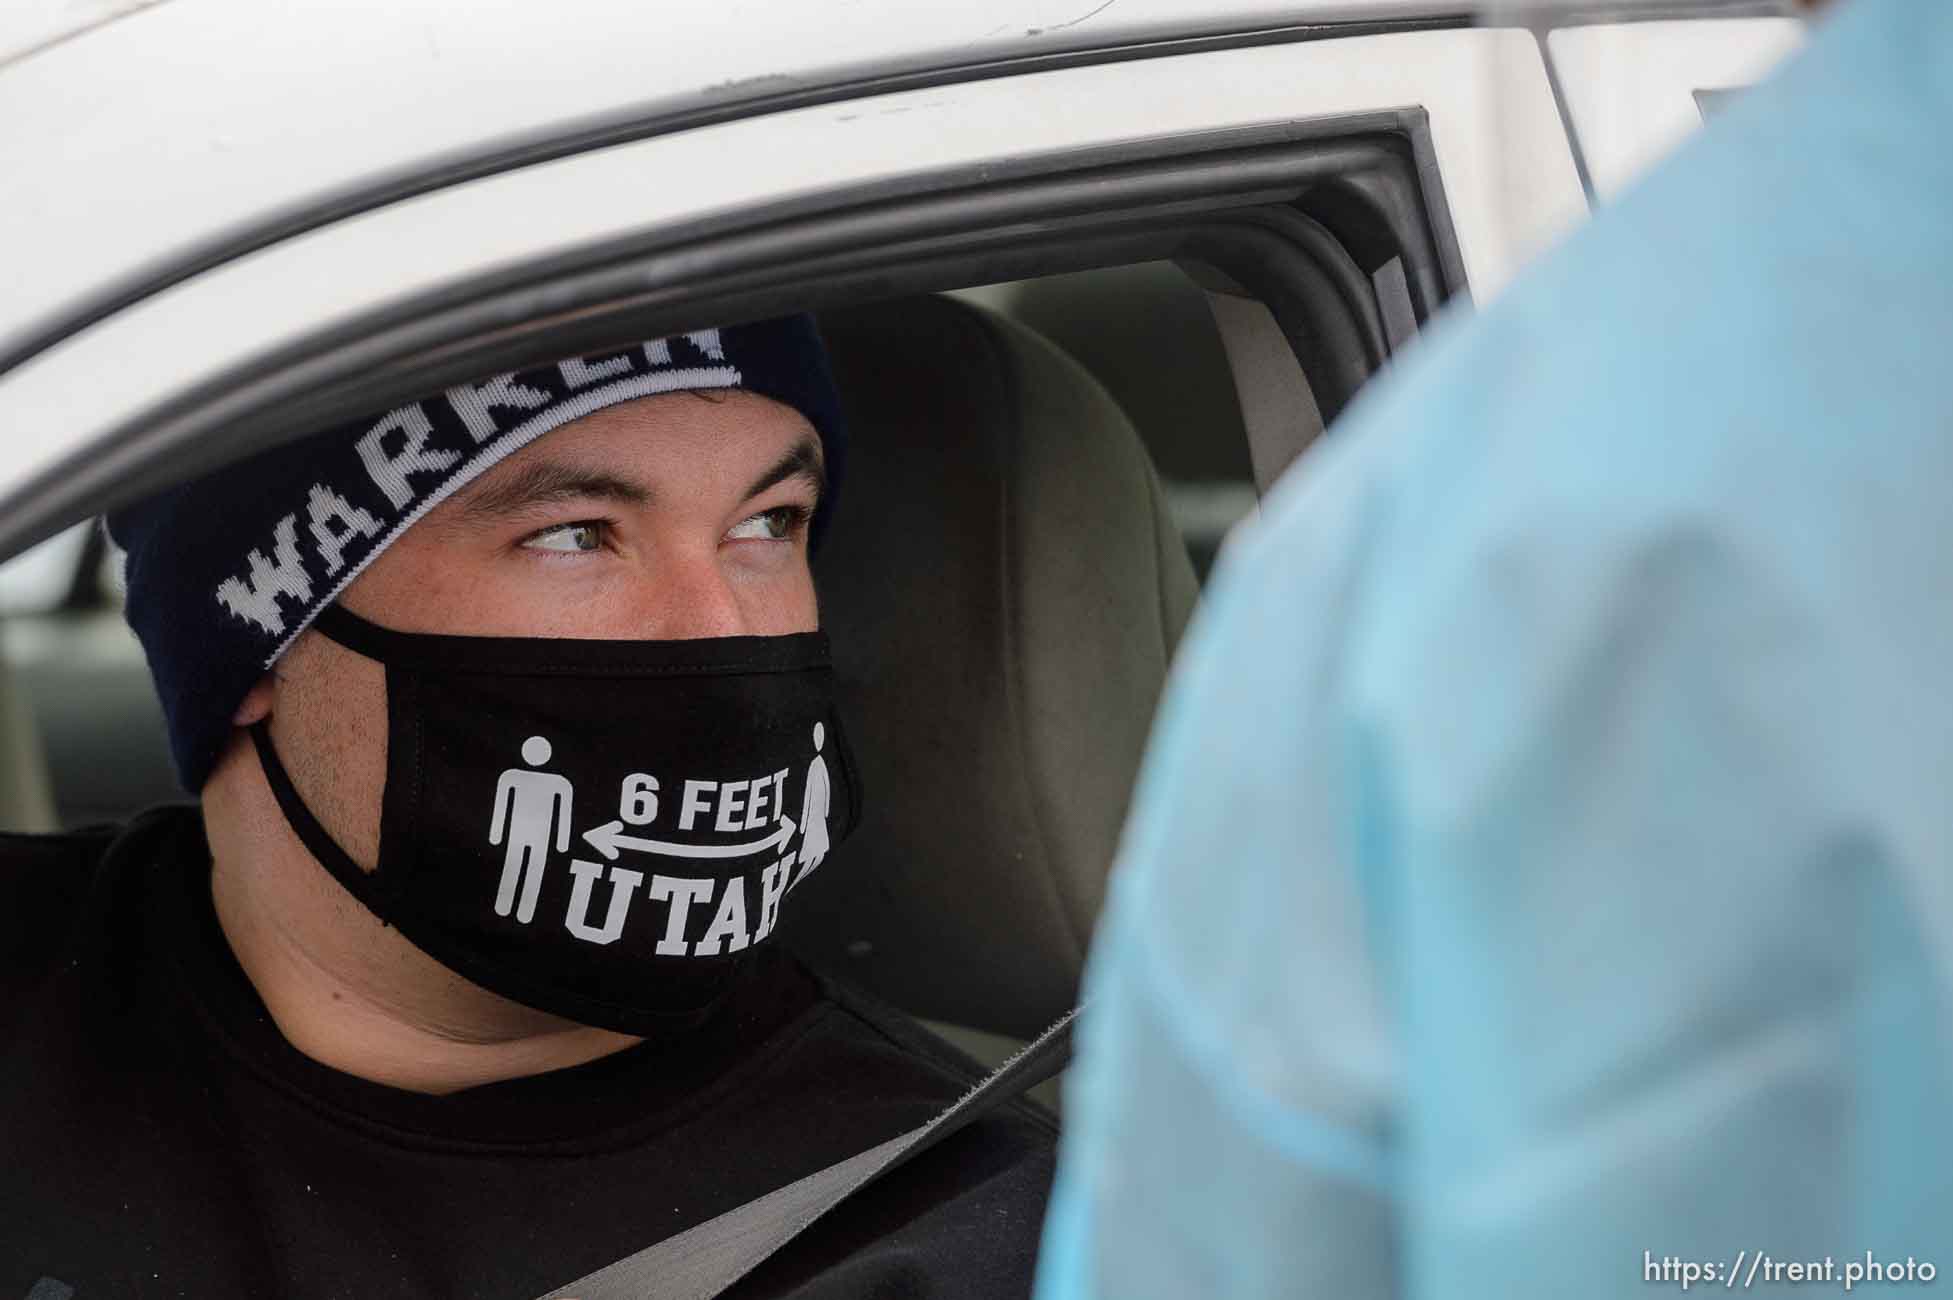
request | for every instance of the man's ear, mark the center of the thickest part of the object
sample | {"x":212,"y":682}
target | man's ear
{"x":256,"y":705}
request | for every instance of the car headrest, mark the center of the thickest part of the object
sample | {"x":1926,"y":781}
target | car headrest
{"x":1004,"y":589}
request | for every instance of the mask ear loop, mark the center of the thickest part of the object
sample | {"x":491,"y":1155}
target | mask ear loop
{"x":381,"y":644}
{"x":362,"y":885}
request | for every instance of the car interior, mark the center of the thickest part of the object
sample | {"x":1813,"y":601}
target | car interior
{"x":1004,"y":595}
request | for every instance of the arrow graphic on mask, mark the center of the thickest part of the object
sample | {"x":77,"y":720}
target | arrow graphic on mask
{"x":608,"y":838}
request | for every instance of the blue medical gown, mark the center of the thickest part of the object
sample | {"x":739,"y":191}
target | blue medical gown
{"x":1544,"y":861}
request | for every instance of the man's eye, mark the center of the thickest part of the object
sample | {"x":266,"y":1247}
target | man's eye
{"x":773,"y":525}
{"x":586,"y":536}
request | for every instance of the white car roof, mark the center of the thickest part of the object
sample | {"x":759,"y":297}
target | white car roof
{"x":134,"y":132}
{"x":197,"y":187}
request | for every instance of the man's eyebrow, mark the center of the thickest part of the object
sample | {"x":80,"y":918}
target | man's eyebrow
{"x":545,"y":482}
{"x":803,"y":460}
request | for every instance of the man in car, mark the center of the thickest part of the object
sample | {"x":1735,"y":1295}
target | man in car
{"x":464,"y":977}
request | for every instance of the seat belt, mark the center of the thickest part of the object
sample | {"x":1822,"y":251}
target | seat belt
{"x":702,"y":1262}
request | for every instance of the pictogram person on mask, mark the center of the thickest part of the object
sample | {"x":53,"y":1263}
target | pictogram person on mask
{"x":328,"y":1037}
{"x":814,"y":807}
{"x":528,"y":805}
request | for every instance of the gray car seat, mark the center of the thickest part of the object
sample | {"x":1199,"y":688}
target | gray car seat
{"x":1004,"y":589}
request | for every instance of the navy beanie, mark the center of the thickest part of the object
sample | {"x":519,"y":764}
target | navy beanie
{"x":225,"y":572}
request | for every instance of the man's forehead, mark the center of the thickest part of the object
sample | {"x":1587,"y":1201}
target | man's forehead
{"x":625,"y":451}
{"x":522,"y":485}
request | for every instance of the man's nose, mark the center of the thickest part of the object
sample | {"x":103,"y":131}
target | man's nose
{"x":688,"y":597}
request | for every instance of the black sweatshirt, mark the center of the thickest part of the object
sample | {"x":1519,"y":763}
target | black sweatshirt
{"x":158,"y":1136}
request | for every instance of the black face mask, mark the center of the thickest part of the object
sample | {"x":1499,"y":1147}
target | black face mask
{"x":603,"y":830}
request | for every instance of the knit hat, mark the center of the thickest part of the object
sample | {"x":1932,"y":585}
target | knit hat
{"x":225,"y":572}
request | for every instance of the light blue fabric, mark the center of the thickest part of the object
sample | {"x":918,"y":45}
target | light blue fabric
{"x":1545,"y":854}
